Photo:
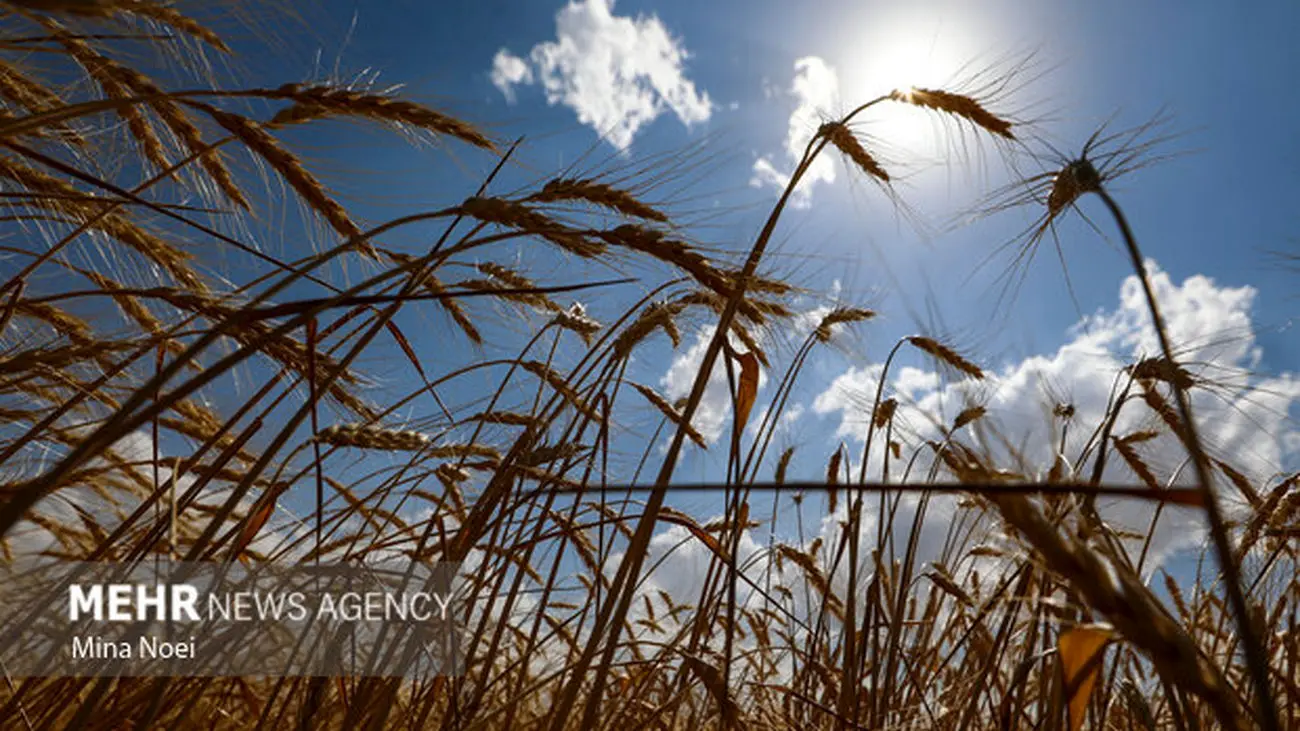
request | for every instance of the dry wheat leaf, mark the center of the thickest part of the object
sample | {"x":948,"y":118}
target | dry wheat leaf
{"x":254,"y":524}
{"x":1080,"y":649}
{"x":715,"y":683}
{"x":747,"y":390}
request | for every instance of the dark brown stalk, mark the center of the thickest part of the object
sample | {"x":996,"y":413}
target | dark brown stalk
{"x":635,"y":556}
{"x":1256,"y":660}
{"x":313,"y":397}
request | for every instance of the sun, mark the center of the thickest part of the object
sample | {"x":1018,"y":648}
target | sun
{"x":905,"y":49}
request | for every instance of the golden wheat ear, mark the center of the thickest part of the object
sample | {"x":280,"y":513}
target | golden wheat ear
{"x":958,"y":105}
{"x":839,"y":135}
{"x":840,"y":316}
{"x":598,"y":194}
{"x":317,"y":102}
{"x":946,"y":355}
{"x":373,"y":437}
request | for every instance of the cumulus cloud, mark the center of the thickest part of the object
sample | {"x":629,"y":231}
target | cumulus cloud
{"x":713,"y":416}
{"x":617,"y":73}
{"x":1244,"y":417}
{"x":815,"y":89}
{"x":508,"y":71}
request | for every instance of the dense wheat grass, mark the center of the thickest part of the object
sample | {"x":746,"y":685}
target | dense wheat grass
{"x":271,"y":439}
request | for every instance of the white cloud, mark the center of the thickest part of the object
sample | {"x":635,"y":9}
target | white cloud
{"x":1243,"y":417}
{"x":911,"y":381}
{"x":508,"y":71}
{"x":617,"y":73}
{"x":816,"y":89}
{"x":1245,"y":420}
{"x":713,"y":416}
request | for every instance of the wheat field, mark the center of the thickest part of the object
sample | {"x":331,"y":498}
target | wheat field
{"x":173,"y":384}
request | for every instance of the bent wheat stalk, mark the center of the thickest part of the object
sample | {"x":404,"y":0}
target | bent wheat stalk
{"x":611,"y":621}
{"x":1256,"y":661}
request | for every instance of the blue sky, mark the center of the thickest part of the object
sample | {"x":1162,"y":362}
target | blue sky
{"x":1215,"y":69}
{"x":723,"y":89}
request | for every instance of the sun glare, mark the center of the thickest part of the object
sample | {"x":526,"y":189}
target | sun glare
{"x":912,"y":49}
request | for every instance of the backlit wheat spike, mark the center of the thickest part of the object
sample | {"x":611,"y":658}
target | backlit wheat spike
{"x":1160,"y":369}
{"x":452,"y":472}
{"x":1127,"y":603}
{"x":759,"y":284}
{"x":136,"y":83}
{"x":958,"y":105}
{"x":600,"y":194}
{"x":71,"y":326}
{"x":783,"y":464}
{"x":1136,"y":464}
{"x":507,"y":418}
{"x":946,"y":355}
{"x":747,"y":339}
{"x":1240,"y":481}
{"x":509,"y":292}
{"x":255,"y":137}
{"x":945,"y":582}
{"x":1071,"y":182}
{"x":833,"y":478}
{"x":512,"y":214}
{"x":23,"y":91}
{"x":1158,"y":404}
{"x":770,"y":309}
{"x":1176,"y":595}
{"x":445,"y":451}
{"x":673,"y":251}
{"x":130,"y":306}
{"x":547,"y":454}
{"x":1138,"y":705}
{"x":717,"y":301}
{"x":557,"y":381}
{"x":285,"y":349}
{"x":99,"y":68}
{"x":673,"y":415}
{"x":450,"y":305}
{"x":1286,"y":511}
{"x":808,"y":566}
{"x":575,"y":320}
{"x":373,"y":437}
{"x":314,"y":102}
{"x":838,"y":316}
{"x":175,"y":261}
{"x":657,"y":316}
{"x":968,"y":415}
{"x":168,"y":15}
{"x":1138,"y":437}
{"x":885,"y":412}
{"x":839,"y":135}
{"x":1261,"y":518}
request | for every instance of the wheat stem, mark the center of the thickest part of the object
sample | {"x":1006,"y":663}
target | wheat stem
{"x":1256,"y":661}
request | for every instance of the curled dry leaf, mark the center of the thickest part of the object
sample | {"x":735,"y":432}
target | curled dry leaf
{"x":747,"y":390}
{"x":1081,"y":650}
